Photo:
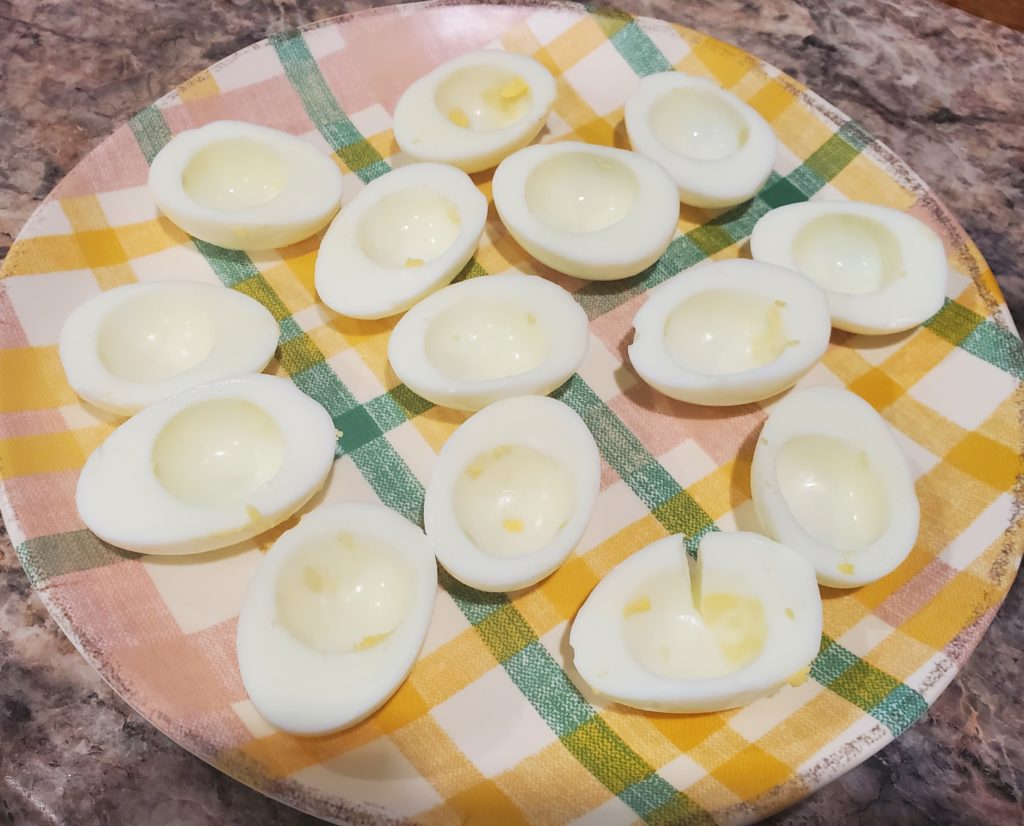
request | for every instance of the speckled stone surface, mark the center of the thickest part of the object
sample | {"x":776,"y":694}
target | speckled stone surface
{"x":939,"y":86}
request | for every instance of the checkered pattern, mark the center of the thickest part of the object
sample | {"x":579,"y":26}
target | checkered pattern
{"x":492,"y":726}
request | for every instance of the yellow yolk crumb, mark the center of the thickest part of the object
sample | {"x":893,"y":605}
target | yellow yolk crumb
{"x":504,"y":450}
{"x":637,"y":606}
{"x":515,"y":88}
{"x":474,"y":470}
{"x":799,"y":677}
{"x":845,"y":568}
{"x":414,"y":262}
{"x":512,"y":525}
{"x":458,"y":117}
{"x":370,"y":641}
{"x":790,"y":614}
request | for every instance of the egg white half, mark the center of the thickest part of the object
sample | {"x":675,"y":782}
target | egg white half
{"x":718,"y":150}
{"x":134,"y":345}
{"x":335,"y":616}
{"x":883,"y":270}
{"x":472,"y":111}
{"x":489,"y":338}
{"x":207,"y":467}
{"x":245,"y":187}
{"x":594,"y":212}
{"x":512,"y":493}
{"x":729,"y":332}
{"x":405,"y":235}
{"x":664,"y":633}
{"x":829,"y":480}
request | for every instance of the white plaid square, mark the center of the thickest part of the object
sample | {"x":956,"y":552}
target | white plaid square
{"x":491,"y":724}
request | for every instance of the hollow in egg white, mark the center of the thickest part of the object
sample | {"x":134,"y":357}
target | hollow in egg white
{"x":593,"y":212}
{"x":729,"y":332}
{"x":718,"y":150}
{"x":512,"y":493}
{"x":335,"y":616}
{"x":829,"y":480}
{"x":245,"y":187}
{"x":474,"y":110}
{"x":405,"y":235}
{"x":134,"y":345}
{"x":489,"y":338}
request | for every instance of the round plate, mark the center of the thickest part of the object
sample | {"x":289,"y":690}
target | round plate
{"x":492,"y":720}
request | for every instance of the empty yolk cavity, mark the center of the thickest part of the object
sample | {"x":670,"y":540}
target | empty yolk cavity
{"x":482,"y":340}
{"x":513,"y":500}
{"x":831,"y":488}
{"x":483,"y":98}
{"x":416,"y":224}
{"x":669,"y":636}
{"x":343,"y":592}
{"x":718,"y":332}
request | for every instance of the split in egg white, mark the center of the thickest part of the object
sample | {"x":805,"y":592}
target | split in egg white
{"x":134,"y":345}
{"x":208,"y":467}
{"x":664,"y":633}
{"x":245,"y":187}
{"x":718,"y":150}
{"x":405,"y":235}
{"x":474,"y":110}
{"x":594,"y":212}
{"x":511,"y":493}
{"x":829,"y":480}
{"x":335,"y":616}
{"x":883,"y":270}
{"x":729,"y":332}
{"x":489,"y":338}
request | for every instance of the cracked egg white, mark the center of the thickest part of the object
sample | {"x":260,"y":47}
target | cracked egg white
{"x":663,"y":632}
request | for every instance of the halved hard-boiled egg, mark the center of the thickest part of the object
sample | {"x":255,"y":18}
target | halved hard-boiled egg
{"x":883,"y":270}
{"x":511,"y":493}
{"x":134,"y":345}
{"x":718,"y":150}
{"x":489,"y":338}
{"x":729,"y":332}
{"x":664,"y":633}
{"x":335,"y":616}
{"x":245,"y":187}
{"x":208,"y":467}
{"x":405,"y":235}
{"x":829,"y":480}
{"x":594,"y":212}
{"x":474,"y":110}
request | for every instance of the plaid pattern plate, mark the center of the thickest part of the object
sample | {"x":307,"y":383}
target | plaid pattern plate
{"x":493,"y":726}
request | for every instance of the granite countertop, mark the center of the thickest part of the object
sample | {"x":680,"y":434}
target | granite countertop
{"x":939,"y":86}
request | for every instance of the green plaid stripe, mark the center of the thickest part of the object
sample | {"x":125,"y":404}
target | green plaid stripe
{"x":46,"y":557}
{"x":672,"y":506}
{"x":630,"y":41}
{"x":320,"y":104}
{"x":981,"y":337}
{"x":885,"y":698}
